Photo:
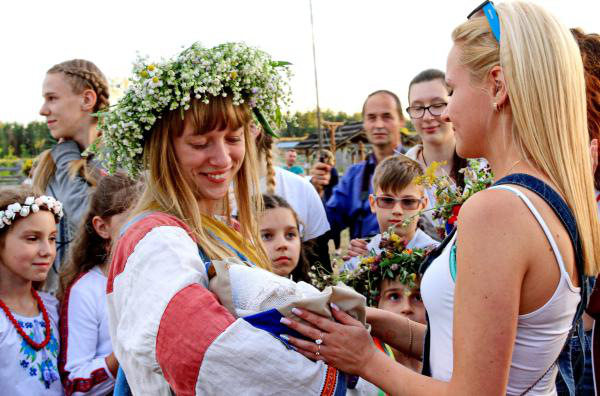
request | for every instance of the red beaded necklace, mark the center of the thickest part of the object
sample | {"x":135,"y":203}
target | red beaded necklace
{"x":35,"y":345}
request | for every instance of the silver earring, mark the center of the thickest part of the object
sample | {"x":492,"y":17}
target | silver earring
{"x":495,"y":105}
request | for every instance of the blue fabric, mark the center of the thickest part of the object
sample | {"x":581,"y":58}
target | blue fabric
{"x":121,"y":385}
{"x":269,"y":321}
{"x":575,"y":364}
{"x":346,"y":207}
{"x":341,"y":387}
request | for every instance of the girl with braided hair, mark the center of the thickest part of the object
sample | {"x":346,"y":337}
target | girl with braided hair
{"x":73,"y":91}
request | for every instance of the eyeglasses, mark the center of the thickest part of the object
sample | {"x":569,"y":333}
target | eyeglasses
{"x":488,"y":9}
{"x":385,"y":202}
{"x":435,"y":110}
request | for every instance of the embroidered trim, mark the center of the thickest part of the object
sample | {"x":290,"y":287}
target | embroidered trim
{"x":330,"y":382}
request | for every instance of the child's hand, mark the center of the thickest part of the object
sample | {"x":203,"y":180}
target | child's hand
{"x":357,"y":247}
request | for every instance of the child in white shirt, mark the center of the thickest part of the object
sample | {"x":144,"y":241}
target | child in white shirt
{"x":88,"y":365}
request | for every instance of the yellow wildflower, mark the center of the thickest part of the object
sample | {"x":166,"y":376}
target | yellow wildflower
{"x":155,"y":80}
{"x":395,"y":238}
{"x":144,"y":73}
{"x":233,"y":75}
{"x":151,"y":67}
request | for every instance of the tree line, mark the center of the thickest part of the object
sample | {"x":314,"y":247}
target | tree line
{"x":28,"y":141}
{"x":24,"y":141}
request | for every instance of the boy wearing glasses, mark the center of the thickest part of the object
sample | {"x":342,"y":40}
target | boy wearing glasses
{"x":395,"y":199}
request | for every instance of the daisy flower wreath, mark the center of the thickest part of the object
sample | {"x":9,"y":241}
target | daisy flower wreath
{"x":246,"y":73}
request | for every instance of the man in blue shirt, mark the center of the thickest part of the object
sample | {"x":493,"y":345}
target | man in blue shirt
{"x":290,"y":162}
{"x":349,"y":204}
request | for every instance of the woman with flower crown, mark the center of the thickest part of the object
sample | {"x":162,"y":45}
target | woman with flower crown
{"x":185,"y":122}
{"x":29,"y":343}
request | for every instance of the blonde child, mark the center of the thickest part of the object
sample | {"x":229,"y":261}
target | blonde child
{"x":73,"y":91}
{"x":280,"y":233}
{"x":29,"y":319}
{"x":396,"y":199}
{"x":87,"y":363}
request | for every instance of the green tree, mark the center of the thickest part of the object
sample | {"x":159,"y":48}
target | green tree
{"x":306,"y":122}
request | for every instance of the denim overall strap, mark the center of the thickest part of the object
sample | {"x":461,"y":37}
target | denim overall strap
{"x":565,"y":215}
{"x":563,"y":212}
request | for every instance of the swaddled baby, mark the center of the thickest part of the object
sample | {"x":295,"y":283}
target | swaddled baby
{"x":247,"y":291}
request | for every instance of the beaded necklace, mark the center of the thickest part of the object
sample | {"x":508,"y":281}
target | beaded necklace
{"x":35,"y":345}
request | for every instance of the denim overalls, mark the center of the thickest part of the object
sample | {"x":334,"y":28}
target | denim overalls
{"x":563,"y":212}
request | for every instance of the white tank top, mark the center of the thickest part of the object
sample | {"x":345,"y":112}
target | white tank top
{"x":541,"y":334}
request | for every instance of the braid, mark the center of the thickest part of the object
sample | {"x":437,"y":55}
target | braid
{"x":264,"y":144}
{"x":270,"y":170}
{"x":84,"y":75}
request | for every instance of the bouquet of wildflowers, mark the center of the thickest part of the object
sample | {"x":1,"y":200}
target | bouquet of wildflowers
{"x":248,"y":74}
{"x":395,"y":262}
{"x":449,"y":197}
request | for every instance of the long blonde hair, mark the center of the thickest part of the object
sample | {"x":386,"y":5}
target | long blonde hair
{"x":546,"y":88}
{"x":167,"y":189}
{"x":80,"y":74}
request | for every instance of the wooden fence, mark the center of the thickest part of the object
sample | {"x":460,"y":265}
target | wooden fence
{"x":11,"y":176}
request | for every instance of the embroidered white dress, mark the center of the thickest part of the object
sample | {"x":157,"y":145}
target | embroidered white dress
{"x":23,"y":370}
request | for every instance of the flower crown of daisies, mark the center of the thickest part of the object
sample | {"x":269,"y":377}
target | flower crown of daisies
{"x":395,"y":262}
{"x":31,"y":205}
{"x":246,"y":73}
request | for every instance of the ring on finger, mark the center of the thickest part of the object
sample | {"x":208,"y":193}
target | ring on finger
{"x":319,"y":340}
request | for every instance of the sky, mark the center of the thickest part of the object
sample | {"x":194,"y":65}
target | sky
{"x":361,"y":46}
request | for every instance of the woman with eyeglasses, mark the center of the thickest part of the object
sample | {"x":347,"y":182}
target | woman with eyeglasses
{"x":428,"y":96}
{"x":521,"y":248}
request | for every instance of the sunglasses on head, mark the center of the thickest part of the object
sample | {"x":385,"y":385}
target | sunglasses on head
{"x":488,"y":9}
{"x":387,"y":202}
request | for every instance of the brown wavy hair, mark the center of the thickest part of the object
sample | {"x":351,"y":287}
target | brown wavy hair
{"x":114,"y":195}
{"x":589,"y":45}
{"x":10,"y":195}
{"x":81,"y":75}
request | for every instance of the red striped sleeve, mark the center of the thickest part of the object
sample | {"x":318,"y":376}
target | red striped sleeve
{"x":193,"y":319}
{"x":135,"y":233}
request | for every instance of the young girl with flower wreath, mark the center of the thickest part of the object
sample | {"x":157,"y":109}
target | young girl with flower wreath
{"x":73,"y":91}
{"x":29,"y":343}
{"x":87,"y":363}
{"x":186,"y":121}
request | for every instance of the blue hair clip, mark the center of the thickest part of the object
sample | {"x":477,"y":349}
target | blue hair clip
{"x":488,"y":9}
